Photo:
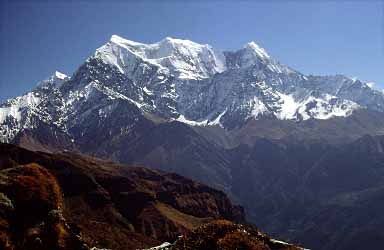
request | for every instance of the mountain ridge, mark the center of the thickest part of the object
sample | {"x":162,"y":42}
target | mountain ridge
{"x":189,"y":82}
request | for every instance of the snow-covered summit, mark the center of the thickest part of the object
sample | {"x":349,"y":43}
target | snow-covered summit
{"x":60,"y":75}
{"x":252,"y":55}
{"x":252,"y":46}
{"x":55,"y":80}
{"x":183,"y":58}
{"x":119,"y":40}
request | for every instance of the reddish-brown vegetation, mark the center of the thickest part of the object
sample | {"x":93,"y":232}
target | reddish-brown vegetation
{"x":110,"y":205}
{"x":36,"y":188}
{"x":30,"y":211}
{"x":226,"y":235}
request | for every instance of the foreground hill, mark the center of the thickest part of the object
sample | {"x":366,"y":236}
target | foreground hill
{"x":225,"y":235}
{"x":57,"y":201}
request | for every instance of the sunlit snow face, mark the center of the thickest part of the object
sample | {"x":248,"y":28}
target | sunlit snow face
{"x":183,"y":58}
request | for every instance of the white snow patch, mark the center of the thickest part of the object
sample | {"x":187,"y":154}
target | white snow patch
{"x":274,"y":68}
{"x":288,"y":107}
{"x":60,"y":75}
{"x":205,"y":122}
{"x":284,"y":243}
{"x":216,"y":121}
{"x":370,"y":84}
{"x":182,"y":119}
{"x":279,"y":241}
{"x":173,"y":89}
{"x":258,"y":107}
{"x":327,"y":107}
{"x":163,"y":246}
{"x":322,"y":108}
{"x":146,"y":90}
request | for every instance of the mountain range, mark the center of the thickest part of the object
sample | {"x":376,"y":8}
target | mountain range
{"x":185,"y":81}
{"x":302,"y":153}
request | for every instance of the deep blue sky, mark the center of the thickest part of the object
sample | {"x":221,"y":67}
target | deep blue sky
{"x":319,"y":37}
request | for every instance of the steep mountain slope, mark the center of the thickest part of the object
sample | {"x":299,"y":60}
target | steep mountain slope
{"x":177,"y":148}
{"x":314,"y":189}
{"x":113,"y":206}
{"x":357,"y":216}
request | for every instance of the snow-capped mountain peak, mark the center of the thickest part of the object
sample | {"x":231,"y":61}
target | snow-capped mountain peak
{"x":260,"y":52}
{"x":176,"y":79}
{"x":119,"y":40}
{"x":183,"y":58}
{"x":252,"y":55}
{"x":55,"y":80}
{"x":60,"y":75}
{"x":370,"y":84}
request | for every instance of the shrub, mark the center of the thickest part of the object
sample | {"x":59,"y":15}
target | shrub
{"x":35,"y":189}
{"x":241,"y":241}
